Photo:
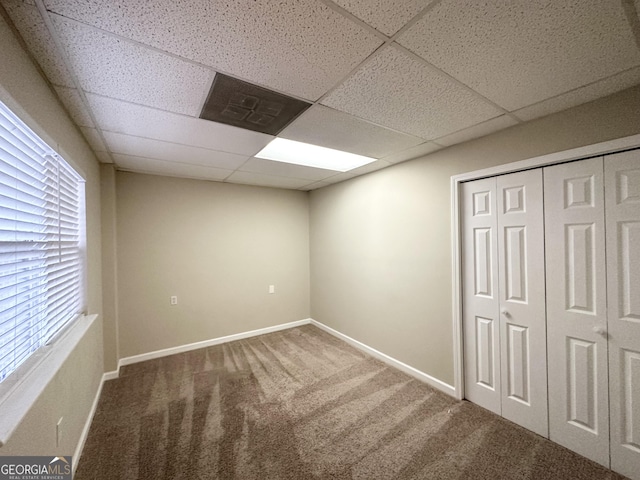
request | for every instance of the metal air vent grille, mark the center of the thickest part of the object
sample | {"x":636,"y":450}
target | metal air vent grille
{"x":248,"y":106}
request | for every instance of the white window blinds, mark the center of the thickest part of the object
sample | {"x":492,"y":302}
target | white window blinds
{"x":41,"y":242}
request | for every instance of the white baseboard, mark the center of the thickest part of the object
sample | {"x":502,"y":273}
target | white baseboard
{"x":87,"y":423}
{"x":110,"y":375}
{"x":208,"y":343}
{"x":414,"y":372}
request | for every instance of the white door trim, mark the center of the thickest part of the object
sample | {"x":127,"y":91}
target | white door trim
{"x":597,"y":149}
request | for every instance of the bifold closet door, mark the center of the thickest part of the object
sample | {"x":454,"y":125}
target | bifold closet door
{"x":503,"y":297}
{"x":577,"y":307}
{"x":480,"y":314}
{"x":523,"y":336}
{"x":622,"y":186}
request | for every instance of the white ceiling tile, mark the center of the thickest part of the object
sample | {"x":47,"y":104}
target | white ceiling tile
{"x":413,"y":152}
{"x":121,"y":117}
{"x":582,"y":95}
{"x":281,"y":169}
{"x":77,"y":109}
{"x":160,"y":167}
{"x":104,"y":157}
{"x":331,"y":128}
{"x":372,"y":167}
{"x":314,"y":186}
{"x":93,"y":137}
{"x":29,"y":23}
{"x":259,"y":179}
{"x":301,"y":47}
{"x":400,"y":92}
{"x":172,"y":152}
{"x":386,"y":16}
{"x":479,"y":130}
{"x":120,"y":69}
{"x":521,"y":52}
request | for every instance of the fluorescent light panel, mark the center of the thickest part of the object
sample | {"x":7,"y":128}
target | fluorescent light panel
{"x":298,"y":153}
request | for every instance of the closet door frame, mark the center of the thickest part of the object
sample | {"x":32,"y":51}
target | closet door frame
{"x":598,"y":149}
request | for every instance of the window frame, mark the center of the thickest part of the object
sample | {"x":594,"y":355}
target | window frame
{"x":21,"y":388}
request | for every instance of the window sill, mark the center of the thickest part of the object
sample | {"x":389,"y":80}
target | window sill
{"x":18,"y":395}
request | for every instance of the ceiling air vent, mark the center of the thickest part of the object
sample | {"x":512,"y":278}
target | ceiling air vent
{"x":244,"y":105}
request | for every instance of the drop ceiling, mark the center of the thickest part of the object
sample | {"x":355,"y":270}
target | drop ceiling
{"x":388,"y":79}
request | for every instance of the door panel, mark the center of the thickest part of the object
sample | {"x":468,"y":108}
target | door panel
{"x":628,"y":242}
{"x":515,"y":271}
{"x":518,"y":363}
{"x":576,"y":307}
{"x":582,"y":384}
{"x":522,"y":304}
{"x":580,"y":267}
{"x":485,"y":352}
{"x":622,"y":186}
{"x":482,"y":262}
{"x":480,"y":301}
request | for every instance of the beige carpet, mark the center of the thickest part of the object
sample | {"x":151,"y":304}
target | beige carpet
{"x":301,"y":404}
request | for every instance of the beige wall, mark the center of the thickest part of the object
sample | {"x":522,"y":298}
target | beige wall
{"x":71,"y":393}
{"x":109,"y":266}
{"x":379,"y":249}
{"x":216,"y":246}
{"x":381,"y":243}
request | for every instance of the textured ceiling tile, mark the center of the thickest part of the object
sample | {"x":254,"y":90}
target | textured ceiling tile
{"x":371,"y":167}
{"x":314,"y":186}
{"x":281,"y":169}
{"x":400,"y":92}
{"x":159,"y":167}
{"x":413,"y":152}
{"x":77,"y":109}
{"x":121,"y":117}
{"x":119,"y":69}
{"x":249,"y":178}
{"x":29,"y":23}
{"x":586,"y":94}
{"x":104,"y":157}
{"x":386,"y":16}
{"x":172,"y":152}
{"x":334,"y":129}
{"x":93,"y":137}
{"x":480,"y":130}
{"x":521,"y":52}
{"x":301,"y":47}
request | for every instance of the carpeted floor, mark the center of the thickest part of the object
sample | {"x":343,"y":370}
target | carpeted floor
{"x":301,"y":404}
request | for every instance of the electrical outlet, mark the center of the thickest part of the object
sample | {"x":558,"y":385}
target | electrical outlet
{"x":174,"y":300}
{"x":272,"y":289}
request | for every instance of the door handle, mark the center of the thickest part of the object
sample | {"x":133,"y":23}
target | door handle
{"x":600,"y":330}
{"x":505,"y":312}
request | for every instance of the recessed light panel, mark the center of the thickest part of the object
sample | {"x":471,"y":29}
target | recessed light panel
{"x":298,"y":153}
{"x":248,"y":106}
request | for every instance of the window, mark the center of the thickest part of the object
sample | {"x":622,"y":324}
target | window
{"x":41,"y":243}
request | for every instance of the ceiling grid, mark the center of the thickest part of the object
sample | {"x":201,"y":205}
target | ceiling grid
{"x":388,"y":79}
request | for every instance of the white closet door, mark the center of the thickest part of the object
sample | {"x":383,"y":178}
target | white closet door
{"x":622,"y":186}
{"x":576,"y":308}
{"x":523,"y":333}
{"x":480,"y":294}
